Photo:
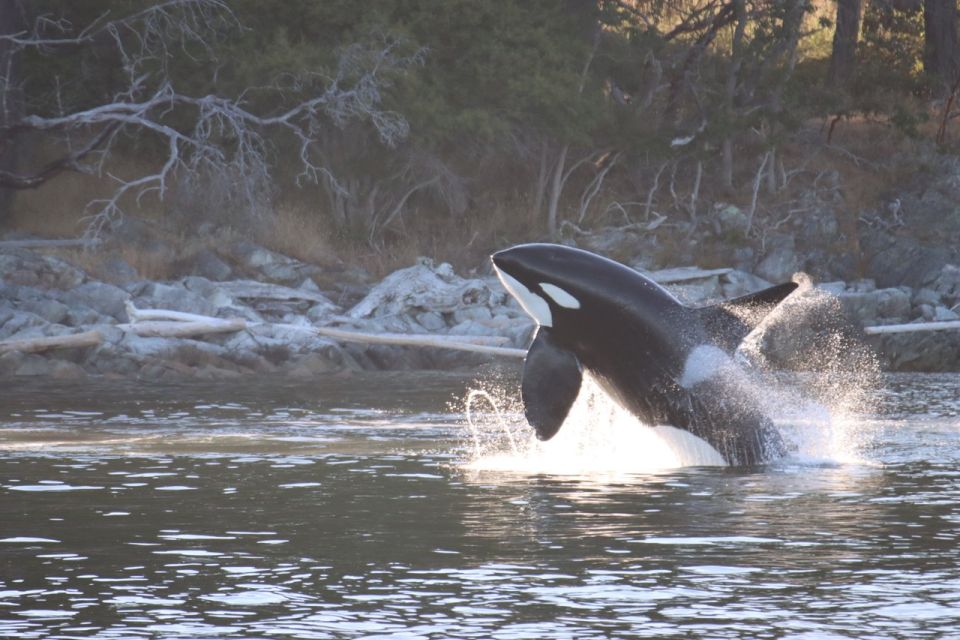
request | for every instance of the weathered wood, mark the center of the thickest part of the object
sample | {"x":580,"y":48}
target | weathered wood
{"x":912,"y":327}
{"x":459,"y":343}
{"x":33,"y":345}
{"x":684,"y":274}
{"x":180,"y":329}
{"x":169,"y":324}
{"x":140,"y":315}
{"x":265,"y":291}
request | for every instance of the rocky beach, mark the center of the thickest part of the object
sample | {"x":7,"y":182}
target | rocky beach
{"x":281,"y":311}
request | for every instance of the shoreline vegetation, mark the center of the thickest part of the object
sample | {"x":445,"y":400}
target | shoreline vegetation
{"x":275,"y":165}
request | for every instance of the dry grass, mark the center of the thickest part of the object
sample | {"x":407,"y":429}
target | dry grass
{"x":871,"y":159}
{"x":301,"y":233}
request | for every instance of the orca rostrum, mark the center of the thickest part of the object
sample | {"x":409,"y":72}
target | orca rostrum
{"x":668,"y":364}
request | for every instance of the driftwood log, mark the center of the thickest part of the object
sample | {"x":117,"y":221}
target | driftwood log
{"x":912,"y":327}
{"x":161,"y":322}
{"x":34,"y":345}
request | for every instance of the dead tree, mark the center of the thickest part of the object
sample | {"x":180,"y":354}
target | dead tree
{"x":204,"y":137}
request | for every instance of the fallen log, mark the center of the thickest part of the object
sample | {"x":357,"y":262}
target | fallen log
{"x":179,"y":329}
{"x":912,"y":327}
{"x":34,"y":345}
{"x":252,"y":289}
{"x":459,"y":343}
{"x":177,"y":324}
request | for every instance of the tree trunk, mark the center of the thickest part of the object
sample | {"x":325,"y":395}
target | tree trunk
{"x":845,"y":38}
{"x":11,"y":100}
{"x":940,"y":41}
{"x":556,"y":188}
{"x":730,"y":92}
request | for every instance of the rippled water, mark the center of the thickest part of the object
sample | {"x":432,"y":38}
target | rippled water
{"x":350,"y":508}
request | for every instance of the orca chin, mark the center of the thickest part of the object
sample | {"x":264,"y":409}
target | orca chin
{"x":668,"y":364}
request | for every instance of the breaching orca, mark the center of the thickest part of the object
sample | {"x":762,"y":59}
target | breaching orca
{"x":667,"y":363}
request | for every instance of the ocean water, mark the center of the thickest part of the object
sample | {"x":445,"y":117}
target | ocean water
{"x":419,"y":506}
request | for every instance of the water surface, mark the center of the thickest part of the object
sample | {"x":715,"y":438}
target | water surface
{"x":350,"y":507}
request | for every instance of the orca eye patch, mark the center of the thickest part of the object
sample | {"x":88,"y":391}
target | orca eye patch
{"x":558,"y":295}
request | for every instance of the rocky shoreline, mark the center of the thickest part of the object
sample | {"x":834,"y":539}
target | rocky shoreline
{"x":43,"y":296}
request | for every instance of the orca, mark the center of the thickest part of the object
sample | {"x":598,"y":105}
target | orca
{"x":669,"y":364}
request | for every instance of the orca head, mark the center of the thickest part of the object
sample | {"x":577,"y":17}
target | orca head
{"x":541,"y":279}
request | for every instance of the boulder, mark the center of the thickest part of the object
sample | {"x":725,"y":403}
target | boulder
{"x":50,"y":310}
{"x":730,"y":220}
{"x":942,"y":314}
{"x":208,"y":264}
{"x":175,"y":297}
{"x":736,"y":283}
{"x":118,"y":271}
{"x":696,"y":292}
{"x":780,"y":262}
{"x":26,"y":268}
{"x":926,"y":296}
{"x":270,"y":265}
{"x":861,"y":307}
{"x":893,"y":303}
{"x":105,"y":299}
{"x":22,"y":324}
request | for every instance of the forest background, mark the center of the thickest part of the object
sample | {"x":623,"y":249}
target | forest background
{"x":368,"y":133}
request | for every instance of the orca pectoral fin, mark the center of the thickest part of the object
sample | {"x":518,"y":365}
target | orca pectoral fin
{"x":551,"y":382}
{"x":728,"y":323}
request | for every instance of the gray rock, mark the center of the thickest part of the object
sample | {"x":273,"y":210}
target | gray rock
{"x":919,"y":351}
{"x":927,"y":297}
{"x":320,"y":314}
{"x":310,"y":286}
{"x":947,"y":283}
{"x":698,"y":292}
{"x":271,"y":265}
{"x":33,"y":364}
{"x":174,"y":297}
{"x":118,"y":271}
{"x":10,"y":362}
{"x":894,"y":260}
{"x":738,"y":283}
{"x":835,"y":288}
{"x":730,"y":219}
{"x":942,"y":314}
{"x":213,"y":293}
{"x":26,"y":268}
{"x":23,"y":324}
{"x":866,"y":285}
{"x":478,"y":313}
{"x":432,"y":321}
{"x":105,"y":299}
{"x":208,"y":264}
{"x":780,"y":262}
{"x":927,"y":312}
{"x":893,"y":303}
{"x":861,"y":306}
{"x":50,"y":310}
{"x":80,"y":314}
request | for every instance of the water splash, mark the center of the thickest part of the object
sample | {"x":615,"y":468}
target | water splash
{"x":598,"y":437}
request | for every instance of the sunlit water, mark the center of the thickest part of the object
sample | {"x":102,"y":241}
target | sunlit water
{"x":362,"y":507}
